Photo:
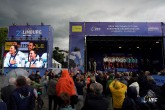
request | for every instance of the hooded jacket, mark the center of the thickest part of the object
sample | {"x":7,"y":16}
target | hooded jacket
{"x":23,"y":99}
{"x":118,"y":90}
{"x":136,"y":85}
{"x":65,"y":84}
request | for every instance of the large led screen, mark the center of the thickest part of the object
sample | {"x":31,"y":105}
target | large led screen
{"x":29,"y":54}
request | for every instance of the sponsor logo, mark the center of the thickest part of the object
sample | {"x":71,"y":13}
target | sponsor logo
{"x":94,"y":28}
{"x":153,"y":28}
{"x":76,"y":28}
{"x":150,"y":99}
{"x":28,"y":32}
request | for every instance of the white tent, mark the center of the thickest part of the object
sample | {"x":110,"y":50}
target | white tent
{"x":56,"y":64}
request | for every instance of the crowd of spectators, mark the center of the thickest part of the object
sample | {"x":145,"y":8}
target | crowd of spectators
{"x":91,"y":91}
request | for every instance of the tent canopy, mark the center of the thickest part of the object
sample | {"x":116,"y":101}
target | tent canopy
{"x":56,"y":64}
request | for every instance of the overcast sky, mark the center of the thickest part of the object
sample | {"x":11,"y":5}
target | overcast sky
{"x":58,"y":13}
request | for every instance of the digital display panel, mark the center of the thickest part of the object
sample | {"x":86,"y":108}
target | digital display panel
{"x":28,"y":54}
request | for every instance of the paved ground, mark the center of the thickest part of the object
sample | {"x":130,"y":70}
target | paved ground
{"x":44,"y":96}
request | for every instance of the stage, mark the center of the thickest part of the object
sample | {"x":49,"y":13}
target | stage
{"x":147,"y":50}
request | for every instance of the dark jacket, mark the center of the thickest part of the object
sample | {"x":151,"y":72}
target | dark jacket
{"x":23,"y":99}
{"x":130,"y":101}
{"x":95,"y":102}
{"x":52,"y":87}
{"x":6,"y":95}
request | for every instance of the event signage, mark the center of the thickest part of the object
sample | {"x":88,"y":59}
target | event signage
{"x":77,"y":28}
{"x":29,"y":31}
{"x":79,"y":32}
{"x":123,"y":28}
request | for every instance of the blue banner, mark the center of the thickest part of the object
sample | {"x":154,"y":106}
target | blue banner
{"x":123,"y":28}
{"x":29,"y":31}
{"x":160,"y":80}
{"x":76,"y":54}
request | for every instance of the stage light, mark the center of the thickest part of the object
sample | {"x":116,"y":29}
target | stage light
{"x":40,"y":38}
{"x":26,"y":37}
{"x":12,"y":38}
{"x":14,"y":24}
{"x":120,"y":47}
{"x":137,"y":47}
{"x":157,"y":42}
{"x":27,"y":24}
{"x":42,"y":23}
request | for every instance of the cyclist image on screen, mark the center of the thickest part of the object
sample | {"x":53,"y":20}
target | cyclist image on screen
{"x":31,"y":46}
{"x":14,"y":58}
{"x":75,"y":60}
{"x":34,"y":61}
{"x":44,"y":59}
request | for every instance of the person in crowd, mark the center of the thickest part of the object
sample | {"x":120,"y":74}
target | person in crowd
{"x":45,"y":79}
{"x":146,"y":84}
{"x":65,"y":102}
{"x":92,"y":79}
{"x":51,"y":74}
{"x":130,"y":101}
{"x":23,"y":97}
{"x":52,"y":96}
{"x":143,"y":83}
{"x":133,"y":82}
{"x":95,"y":100}
{"x":94,"y":66}
{"x":34,"y":62}
{"x":28,"y":81}
{"x":89,"y":65}
{"x":14,"y":58}
{"x":118,"y":91}
{"x":102,"y":79}
{"x":37,"y":77}
{"x":79,"y":86}
{"x":66,"y":84}
{"x":7,"y":91}
{"x":119,"y":76}
{"x":108,"y":93}
{"x":161,"y":98}
{"x":32,"y":76}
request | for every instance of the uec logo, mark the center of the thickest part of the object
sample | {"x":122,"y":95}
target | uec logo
{"x":150,"y":99}
{"x":95,"y":28}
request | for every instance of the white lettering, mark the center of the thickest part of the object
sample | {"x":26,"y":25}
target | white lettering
{"x":95,"y":28}
{"x":32,"y":32}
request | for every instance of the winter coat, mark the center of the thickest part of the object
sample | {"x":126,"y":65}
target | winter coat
{"x":23,"y":98}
